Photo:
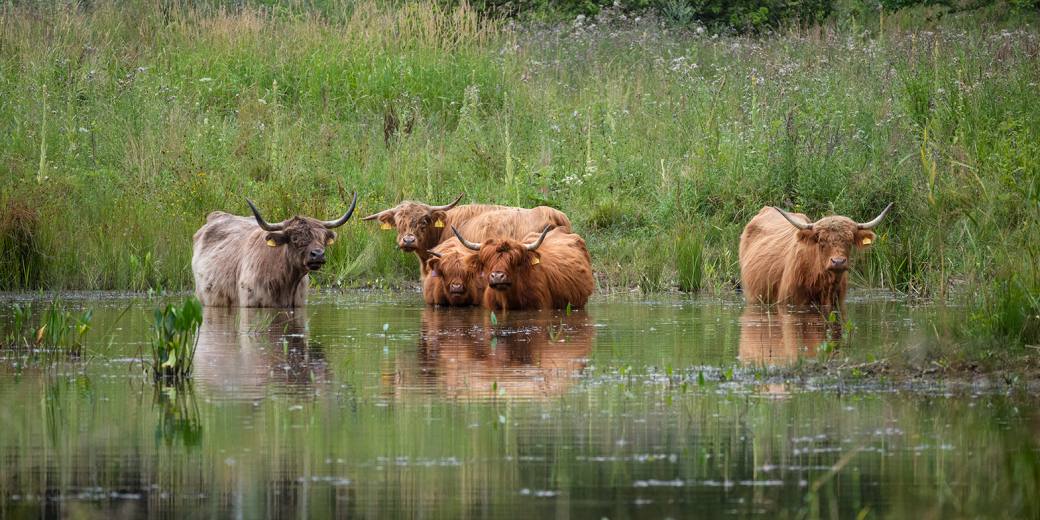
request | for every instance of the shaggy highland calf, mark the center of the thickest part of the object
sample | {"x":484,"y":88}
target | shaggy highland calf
{"x":450,"y":279}
{"x":420,"y":227}
{"x":248,"y":262}
{"x":546,"y":271}
{"x":785,"y":258}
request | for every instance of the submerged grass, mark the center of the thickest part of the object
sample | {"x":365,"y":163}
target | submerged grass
{"x":125,"y":125}
{"x":55,"y":329}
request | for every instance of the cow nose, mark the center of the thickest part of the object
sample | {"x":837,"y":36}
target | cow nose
{"x":408,"y":240}
{"x":838,"y":262}
{"x":497,"y":277}
{"x":317,"y":255}
{"x":455,"y":287}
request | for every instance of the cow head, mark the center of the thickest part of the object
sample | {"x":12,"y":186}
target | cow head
{"x":458,"y":275}
{"x":834,"y":237}
{"x":503,"y":260}
{"x":417,"y":224}
{"x":303,"y":238}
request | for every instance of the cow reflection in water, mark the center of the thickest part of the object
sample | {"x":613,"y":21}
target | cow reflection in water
{"x":525,"y":354}
{"x":243,"y":351}
{"x":777,"y":336}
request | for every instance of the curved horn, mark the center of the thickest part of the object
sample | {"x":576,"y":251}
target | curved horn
{"x":330,"y":224}
{"x":264,"y":225}
{"x":877,"y":219}
{"x":449,"y":206}
{"x":376,"y":215}
{"x":532,"y":247}
{"x":467,"y":243}
{"x":791,"y":218}
{"x":434,"y":253}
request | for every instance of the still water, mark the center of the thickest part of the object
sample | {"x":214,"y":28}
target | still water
{"x":374,"y":406}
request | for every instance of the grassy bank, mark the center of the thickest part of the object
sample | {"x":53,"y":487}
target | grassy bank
{"x":123,"y":126}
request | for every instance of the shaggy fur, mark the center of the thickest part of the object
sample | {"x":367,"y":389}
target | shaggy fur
{"x":781,"y":264}
{"x":562,"y":274}
{"x":456,"y":282}
{"x":415,"y":219}
{"x":450,"y":279}
{"x":235,"y":267}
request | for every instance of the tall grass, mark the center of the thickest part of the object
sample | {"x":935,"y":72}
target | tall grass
{"x":126,"y":125}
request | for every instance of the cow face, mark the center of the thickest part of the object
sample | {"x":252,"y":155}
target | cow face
{"x":458,"y":276}
{"x":834,"y":238}
{"x":305,"y":240}
{"x":418,"y":225}
{"x":504,"y":261}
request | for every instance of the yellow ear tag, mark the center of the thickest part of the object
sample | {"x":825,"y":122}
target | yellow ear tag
{"x":439,"y":223}
{"x":867,"y":241}
{"x":384,"y":226}
{"x":272,"y":243}
{"x":330,"y":242}
{"x":536,"y":261}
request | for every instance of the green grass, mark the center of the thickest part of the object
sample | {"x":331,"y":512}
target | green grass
{"x":176,"y":335}
{"x":124,"y":126}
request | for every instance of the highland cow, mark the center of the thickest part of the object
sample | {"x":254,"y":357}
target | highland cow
{"x":786,"y":259}
{"x":248,"y":262}
{"x":550,"y":270}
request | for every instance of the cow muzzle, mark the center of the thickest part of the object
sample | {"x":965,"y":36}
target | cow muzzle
{"x":408,"y":243}
{"x":499,"y":280}
{"x":315,"y":259}
{"x":456,"y":288}
{"x":838,"y":263}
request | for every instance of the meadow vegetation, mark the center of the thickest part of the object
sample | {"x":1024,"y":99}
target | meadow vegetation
{"x":124,"y":125}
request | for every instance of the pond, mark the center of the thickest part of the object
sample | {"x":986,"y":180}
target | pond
{"x":371,"y":404}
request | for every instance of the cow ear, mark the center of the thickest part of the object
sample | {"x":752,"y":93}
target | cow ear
{"x":432,"y":263}
{"x":865,"y":237}
{"x":535,"y":257}
{"x":386,"y":220}
{"x":807,"y":236}
{"x":473,"y":262}
{"x":277,"y":239}
{"x":439,"y":218}
{"x":330,"y":238}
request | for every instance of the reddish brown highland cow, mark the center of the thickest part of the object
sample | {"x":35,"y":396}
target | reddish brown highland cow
{"x":549,"y":270}
{"x":785,"y":258}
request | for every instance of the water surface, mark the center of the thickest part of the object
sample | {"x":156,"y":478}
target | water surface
{"x":373,"y":405}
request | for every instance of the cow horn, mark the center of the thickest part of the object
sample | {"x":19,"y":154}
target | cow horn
{"x":264,"y":225}
{"x":532,"y":247}
{"x":877,"y":219}
{"x":791,"y":218}
{"x":434,"y":253}
{"x":376,"y":215}
{"x":330,"y":224}
{"x":449,"y":206}
{"x":467,"y":243}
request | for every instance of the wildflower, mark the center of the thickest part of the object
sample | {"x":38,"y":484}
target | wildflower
{"x":205,"y":80}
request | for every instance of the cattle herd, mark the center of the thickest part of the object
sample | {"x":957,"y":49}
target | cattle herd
{"x":505,"y":258}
